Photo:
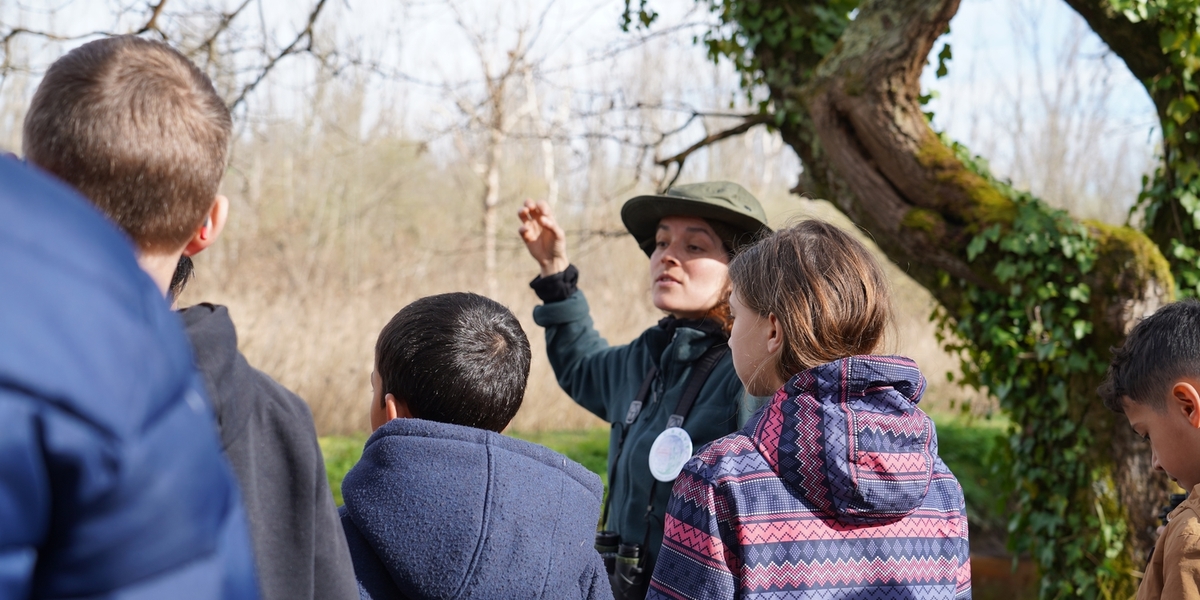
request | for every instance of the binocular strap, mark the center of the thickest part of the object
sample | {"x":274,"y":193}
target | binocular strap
{"x":700,"y":372}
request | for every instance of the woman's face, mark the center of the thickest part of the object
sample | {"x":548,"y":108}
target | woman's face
{"x":689,"y":269}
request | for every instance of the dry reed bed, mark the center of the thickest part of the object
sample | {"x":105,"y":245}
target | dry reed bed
{"x":328,"y":240}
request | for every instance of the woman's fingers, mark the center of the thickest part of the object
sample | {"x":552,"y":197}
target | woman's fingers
{"x":536,"y":219}
{"x":529,"y":209}
{"x":548,"y":224}
{"x":544,"y":239}
{"x":531,"y":226}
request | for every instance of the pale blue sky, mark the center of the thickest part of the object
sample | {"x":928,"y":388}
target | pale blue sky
{"x":1013,"y":92}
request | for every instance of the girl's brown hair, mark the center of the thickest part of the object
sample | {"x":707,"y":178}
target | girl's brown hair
{"x":826,"y":290}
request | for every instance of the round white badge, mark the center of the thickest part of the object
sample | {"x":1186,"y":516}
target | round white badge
{"x":671,"y":450}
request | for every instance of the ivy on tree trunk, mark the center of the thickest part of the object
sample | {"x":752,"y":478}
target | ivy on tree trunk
{"x":1030,"y":297}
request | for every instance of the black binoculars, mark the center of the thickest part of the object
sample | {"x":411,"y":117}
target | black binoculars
{"x":625,"y":564}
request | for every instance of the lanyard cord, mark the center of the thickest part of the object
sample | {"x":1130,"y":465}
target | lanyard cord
{"x":634,"y":409}
{"x":700,"y":371}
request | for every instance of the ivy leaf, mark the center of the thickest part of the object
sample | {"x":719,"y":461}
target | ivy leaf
{"x":1191,"y":204}
{"x":822,"y":44}
{"x":1005,"y":271}
{"x":1170,"y":39}
{"x":1080,"y":293}
{"x":1186,"y":171}
{"x":943,"y":57}
{"x":978,"y":245}
{"x":1182,"y":109}
{"x":1081,"y":328}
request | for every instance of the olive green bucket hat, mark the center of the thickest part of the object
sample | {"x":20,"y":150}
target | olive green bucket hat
{"x":736,"y":214}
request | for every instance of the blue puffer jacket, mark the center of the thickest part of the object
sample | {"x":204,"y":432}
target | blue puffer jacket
{"x":444,"y":511}
{"x":112,"y":483}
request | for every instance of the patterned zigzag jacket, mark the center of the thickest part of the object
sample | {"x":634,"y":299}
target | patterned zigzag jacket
{"x":834,"y":490}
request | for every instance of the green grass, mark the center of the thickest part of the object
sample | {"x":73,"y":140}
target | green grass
{"x":588,"y":447}
{"x":965,"y":445}
{"x":341,"y":452}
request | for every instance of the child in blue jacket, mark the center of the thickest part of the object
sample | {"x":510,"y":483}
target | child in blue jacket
{"x":443,"y":506}
{"x":111,"y":479}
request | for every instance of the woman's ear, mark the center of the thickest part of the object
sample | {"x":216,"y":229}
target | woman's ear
{"x":212,"y":226}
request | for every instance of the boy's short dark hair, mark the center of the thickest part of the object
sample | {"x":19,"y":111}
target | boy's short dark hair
{"x":1161,"y":349}
{"x":456,"y":358}
{"x":138,"y":129}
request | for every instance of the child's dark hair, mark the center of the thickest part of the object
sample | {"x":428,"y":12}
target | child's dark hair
{"x":185,"y":269}
{"x":1161,"y":349}
{"x":827,"y":291}
{"x":456,"y":358}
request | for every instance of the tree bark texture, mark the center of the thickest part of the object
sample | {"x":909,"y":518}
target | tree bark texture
{"x":857,"y":124}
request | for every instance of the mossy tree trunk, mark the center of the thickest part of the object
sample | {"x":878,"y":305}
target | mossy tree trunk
{"x":853,"y":115}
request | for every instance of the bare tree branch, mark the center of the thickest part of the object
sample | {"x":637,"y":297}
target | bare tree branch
{"x":292,"y":48}
{"x":679,"y":159}
{"x":152,"y":23}
{"x":208,"y":45}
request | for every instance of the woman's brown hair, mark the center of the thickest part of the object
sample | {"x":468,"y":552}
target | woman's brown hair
{"x":721,"y":314}
{"x":826,"y":290}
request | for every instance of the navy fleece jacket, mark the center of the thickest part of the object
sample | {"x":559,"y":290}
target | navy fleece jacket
{"x":444,"y":511}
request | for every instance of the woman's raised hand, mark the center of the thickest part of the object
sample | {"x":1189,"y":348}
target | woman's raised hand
{"x":545,"y":240}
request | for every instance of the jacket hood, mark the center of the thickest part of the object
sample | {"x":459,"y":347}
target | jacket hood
{"x":457,"y":512}
{"x":849,"y":438}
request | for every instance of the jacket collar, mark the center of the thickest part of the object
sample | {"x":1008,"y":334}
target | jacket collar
{"x":215,"y":347}
{"x":681,"y":341}
{"x":1191,"y":503}
{"x":708,"y":326}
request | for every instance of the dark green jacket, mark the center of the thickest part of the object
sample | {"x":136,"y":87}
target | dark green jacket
{"x":605,"y":380}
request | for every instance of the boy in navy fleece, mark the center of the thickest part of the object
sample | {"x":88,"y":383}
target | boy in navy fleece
{"x":443,"y":506}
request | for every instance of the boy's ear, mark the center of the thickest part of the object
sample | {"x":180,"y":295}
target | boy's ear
{"x":396,"y":408}
{"x":212,"y":226}
{"x":774,"y":334}
{"x":1186,"y":399}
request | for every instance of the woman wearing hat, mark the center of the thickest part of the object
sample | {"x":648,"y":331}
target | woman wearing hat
{"x":642,"y":388}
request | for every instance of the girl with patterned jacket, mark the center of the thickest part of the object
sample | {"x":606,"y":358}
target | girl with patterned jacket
{"x":833,"y":490}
